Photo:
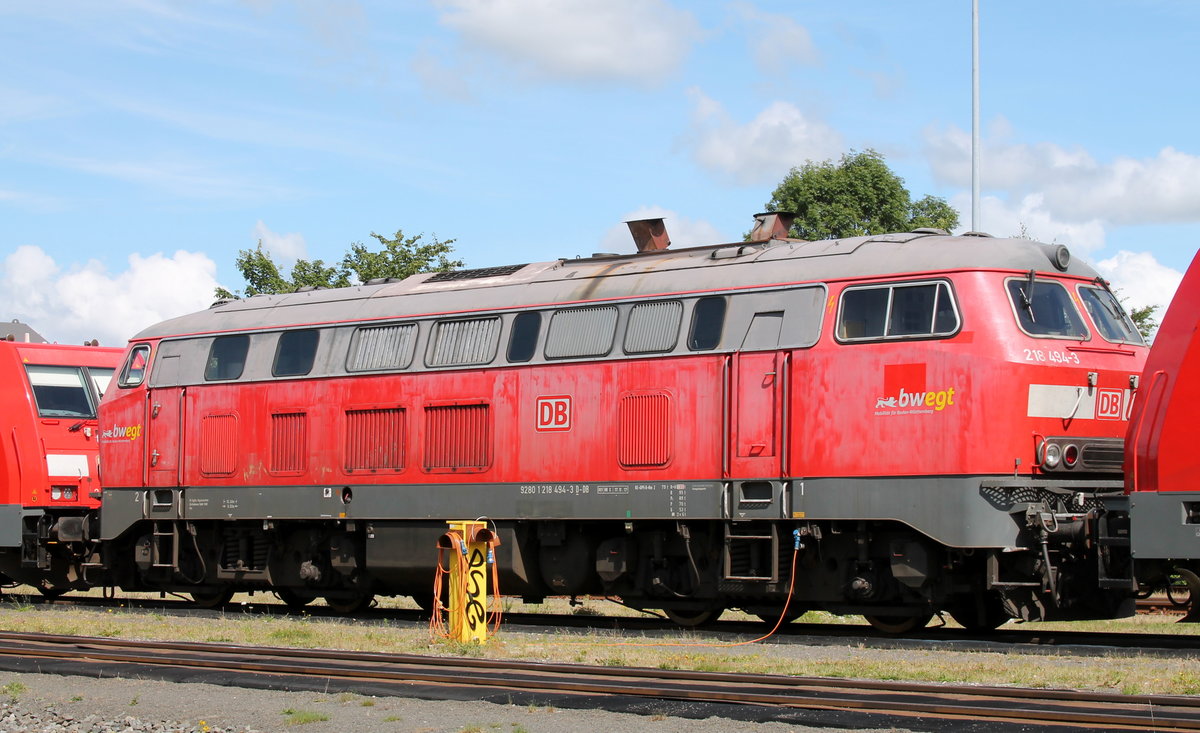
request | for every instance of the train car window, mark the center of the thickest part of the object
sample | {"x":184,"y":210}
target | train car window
{"x":1108,"y":315}
{"x":458,"y":343}
{"x":382,"y":347}
{"x":1044,"y":308}
{"x":708,"y":321}
{"x":864,"y":313}
{"x":576,"y":332}
{"x":295,"y":353}
{"x":522,"y":343}
{"x":134,"y":370}
{"x":653,"y":327}
{"x":60,"y":391}
{"x":918,"y":310}
{"x":226,"y":358}
{"x":100,"y":377}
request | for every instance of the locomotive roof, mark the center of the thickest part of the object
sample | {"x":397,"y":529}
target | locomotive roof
{"x":691,"y":270}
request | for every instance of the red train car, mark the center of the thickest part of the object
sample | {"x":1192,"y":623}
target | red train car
{"x":49,"y":479}
{"x":1163,"y":467}
{"x":903,"y":424}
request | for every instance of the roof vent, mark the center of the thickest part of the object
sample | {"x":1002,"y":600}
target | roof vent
{"x":931,"y":230}
{"x":650,"y":235}
{"x":771,"y":225}
{"x":977,"y":234}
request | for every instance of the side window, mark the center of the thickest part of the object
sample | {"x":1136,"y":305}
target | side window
{"x":900,"y":311}
{"x":708,"y":320}
{"x":60,"y":391}
{"x":382,"y":347}
{"x":295,"y":353}
{"x":1044,"y":308}
{"x":523,"y":340}
{"x":458,"y":343}
{"x":226,"y":357}
{"x":653,"y":327}
{"x":101,"y":376}
{"x":134,"y":371}
{"x":1108,"y":315}
{"x":576,"y":332}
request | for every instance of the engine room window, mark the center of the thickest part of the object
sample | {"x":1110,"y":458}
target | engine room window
{"x":1108,"y":315}
{"x":581,"y":332}
{"x":653,"y":327}
{"x":295,"y":353}
{"x":226,"y":358}
{"x":522,"y":343}
{"x":60,"y":391}
{"x":458,"y":343}
{"x":1044,"y":308}
{"x":897,"y":311}
{"x":134,"y":370}
{"x":382,"y":347}
{"x":708,"y":320}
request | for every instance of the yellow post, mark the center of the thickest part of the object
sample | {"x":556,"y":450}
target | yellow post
{"x":469,"y":595}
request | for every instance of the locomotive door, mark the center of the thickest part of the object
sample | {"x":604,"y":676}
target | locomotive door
{"x":758,"y":382}
{"x":164,"y":426}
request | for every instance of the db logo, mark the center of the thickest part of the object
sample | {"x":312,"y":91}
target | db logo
{"x":1110,"y":404}
{"x":553,"y":413}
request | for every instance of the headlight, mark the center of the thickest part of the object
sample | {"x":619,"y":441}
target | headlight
{"x":1052,"y":455}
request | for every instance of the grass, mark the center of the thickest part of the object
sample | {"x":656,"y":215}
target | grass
{"x":13,"y":690}
{"x":301,"y":717}
{"x":1124,"y":671}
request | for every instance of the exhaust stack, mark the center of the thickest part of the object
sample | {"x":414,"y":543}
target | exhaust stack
{"x":650,"y":235}
{"x":771,"y":225}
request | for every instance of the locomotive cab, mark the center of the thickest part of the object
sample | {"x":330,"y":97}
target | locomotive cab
{"x":49,"y":475}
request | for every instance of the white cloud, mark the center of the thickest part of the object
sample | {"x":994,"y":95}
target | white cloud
{"x":1029,"y":216}
{"x":1141,"y":279}
{"x":763,"y":149}
{"x":777,"y":42}
{"x":639,"y":41}
{"x":286,"y":247}
{"x":684,"y":232}
{"x":1073,"y":184}
{"x":87,"y":302}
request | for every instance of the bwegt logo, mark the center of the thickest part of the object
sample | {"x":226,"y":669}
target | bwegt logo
{"x":117,"y":432}
{"x":938,"y":400}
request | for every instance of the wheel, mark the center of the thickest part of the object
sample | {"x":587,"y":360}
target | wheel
{"x":980,"y":614}
{"x":898,"y":624}
{"x":294,"y":600}
{"x":691,"y":618}
{"x":212,"y":598}
{"x":350,"y":604}
{"x":50,"y":592}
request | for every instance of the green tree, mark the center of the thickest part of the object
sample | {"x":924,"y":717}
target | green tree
{"x":856,"y":196}
{"x":399,"y":257}
{"x":1144,"y":319}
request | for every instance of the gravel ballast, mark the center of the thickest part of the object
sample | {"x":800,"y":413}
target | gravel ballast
{"x":65,"y":704}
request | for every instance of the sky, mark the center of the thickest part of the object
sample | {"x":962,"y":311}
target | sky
{"x":144,"y":143}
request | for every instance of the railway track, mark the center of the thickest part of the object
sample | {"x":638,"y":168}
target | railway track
{"x":809,"y":700}
{"x":1026,"y":639}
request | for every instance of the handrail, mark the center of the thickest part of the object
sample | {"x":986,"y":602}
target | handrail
{"x":1137,"y":431}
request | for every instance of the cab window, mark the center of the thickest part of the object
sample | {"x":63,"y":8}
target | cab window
{"x":1044,"y":308}
{"x":60,"y":391}
{"x":134,"y":371}
{"x":1110,"y":318}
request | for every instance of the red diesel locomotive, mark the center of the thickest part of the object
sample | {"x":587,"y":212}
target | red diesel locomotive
{"x":1163,"y":467}
{"x":49,"y":482}
{"x":903,"y":424}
